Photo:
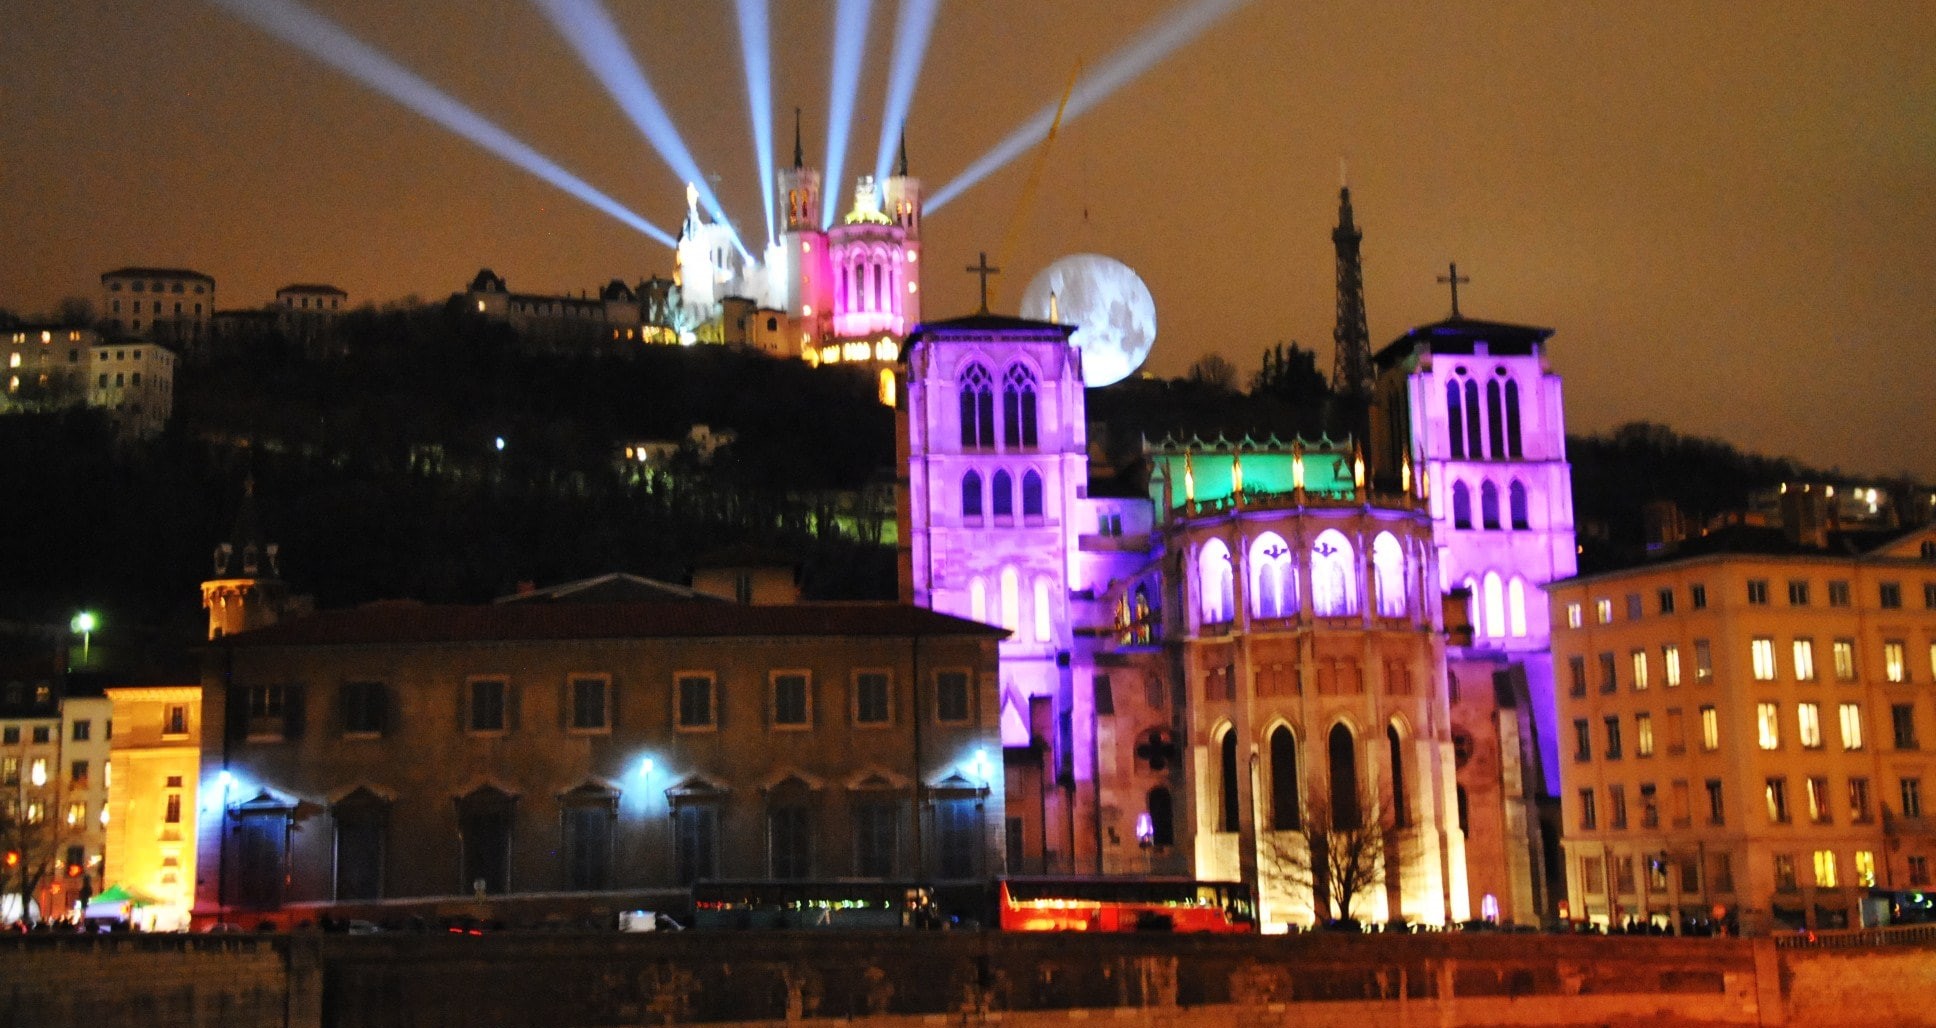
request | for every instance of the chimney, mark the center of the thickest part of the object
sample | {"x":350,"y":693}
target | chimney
{"x":1805,"y":515}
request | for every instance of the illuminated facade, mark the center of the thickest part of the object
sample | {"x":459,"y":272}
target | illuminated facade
{"x":49,"y":367}
{"x":1747,"y":730}
{"x":152,"y":801}
{"x":400,"y":751}
{"x":1140,"y":668}
{"x":1476,"y":409}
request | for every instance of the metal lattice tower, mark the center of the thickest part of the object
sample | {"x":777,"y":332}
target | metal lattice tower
{"x":1351,"y":365}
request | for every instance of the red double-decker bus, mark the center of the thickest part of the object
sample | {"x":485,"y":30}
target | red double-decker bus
{"x":1081,"y":904}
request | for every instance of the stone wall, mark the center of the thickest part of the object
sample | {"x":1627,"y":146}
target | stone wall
{"x":529,"y":979}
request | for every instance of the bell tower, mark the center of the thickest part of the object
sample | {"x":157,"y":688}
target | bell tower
{"x":246,"y":590}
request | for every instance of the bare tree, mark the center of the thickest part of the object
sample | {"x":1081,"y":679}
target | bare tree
{"x":75,"y":312}
{"x":35,"y":831}
{"x":1337,"y":859}
{"x":1212,"y":370}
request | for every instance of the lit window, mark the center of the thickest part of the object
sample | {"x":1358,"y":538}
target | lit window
{"x":1495,"y":605}
{"x":1825,"y":869}
{"x":1859,"y":809}
{"x":1388,"y":564}
{"x":1334,"y":590}
{"x":1865,"y":869}
{"x":1011,"y":599}
{"x":1639,"y":660}
{"x":1573,"y":619}
{"x":1851,"y":717}
{"x":1776,"y":793}
{"x":1844,"y":653}
{"x":1703,"y":661}
{"x":1808,"y":721}
{"x":1763,"y":650}
{"x":1670,"y":663}
{"x":1603,"y":611}
{"x":1819,"y":804}
{"x":1804,"y":660}
{"x":1895,"y":664}
{"x":1643,"y":735}
{"x":1768,"y":723}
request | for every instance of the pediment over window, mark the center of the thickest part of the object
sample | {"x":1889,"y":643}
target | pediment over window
{"x":480,"y":785}
{"x":357,"y":793}
{"x":266,"y":800}
{"x":791,"y":777}
{"x":874,"y":778}
{"x":591,"y":790}
{"x":698,"y":787}
{"x":958,"y":783}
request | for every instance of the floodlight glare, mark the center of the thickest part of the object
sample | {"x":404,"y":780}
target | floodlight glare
{"x":590,"y":30}
{"x":333,"y":45}
{"x":911,"y":31}
{"x":850,"y":39}
{"x":1123,"y":67}
{"x":756,"y":52}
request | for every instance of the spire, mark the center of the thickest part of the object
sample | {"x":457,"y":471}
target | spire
{"x":903,"y":165}
{"x":799,"y":155}
{"x":1351,"y":363}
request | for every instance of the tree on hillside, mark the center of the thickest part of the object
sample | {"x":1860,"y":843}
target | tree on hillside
{"x":1291,"y":375}
{"x":1213,"y":371}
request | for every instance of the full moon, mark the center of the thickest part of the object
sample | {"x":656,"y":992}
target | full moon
{"x":1114,"y":314}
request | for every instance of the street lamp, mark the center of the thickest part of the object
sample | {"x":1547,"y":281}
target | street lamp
{"x":85,"y":622}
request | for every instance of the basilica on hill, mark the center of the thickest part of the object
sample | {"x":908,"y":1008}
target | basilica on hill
{"x":1318,"y":667}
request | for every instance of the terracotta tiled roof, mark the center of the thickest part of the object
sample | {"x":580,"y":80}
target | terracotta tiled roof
{"x":408,"y":622}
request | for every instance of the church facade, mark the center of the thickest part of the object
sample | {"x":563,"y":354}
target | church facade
{"x":1311,"y":667}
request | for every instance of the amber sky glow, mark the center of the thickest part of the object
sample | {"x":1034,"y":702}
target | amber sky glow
{"x":1726,"y":210}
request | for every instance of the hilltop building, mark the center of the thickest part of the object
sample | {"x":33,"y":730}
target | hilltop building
{"x":50,"y":367}
{"x":170,"y":306}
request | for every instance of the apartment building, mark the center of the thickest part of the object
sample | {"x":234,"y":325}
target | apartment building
{"x":1747,"y":730}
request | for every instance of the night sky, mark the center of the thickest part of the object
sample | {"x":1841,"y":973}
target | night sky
{"x":1726,"y":210}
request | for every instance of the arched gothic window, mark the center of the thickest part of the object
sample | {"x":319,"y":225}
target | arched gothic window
{"x":1399,"y":815}
{"x":1454,"y":419}
{"x":977,"y":406}
{"x":1004,"y":490}
{"x":1334,"y":575}
{"x":1388,"y":565}
{"x":1031,"y":494}
{"x":1512,"y":420}
{"x":978,"y":599}
{"x":877,"y":290}
{"x":1516,"y":607}
{"x":1516,"y":503}
{"x":971,"y":495}
{"x":1495,"y":421}
{"x":1018,"y":407}
{"x":1472,"y":420}
{"x":1495,"y":603}
{"x":1488,"y":505}
{"x":1227,"y":806}
{"x":1346,"y":814}
{"x":1214,"y":578}
{"x":1475,"y":605}
{"x":1283,"y":772}
{"x":1461,"y":505}
{"x":1011,"y":613}
{"x":1273,"y":577}
{"x":1044,"y":613}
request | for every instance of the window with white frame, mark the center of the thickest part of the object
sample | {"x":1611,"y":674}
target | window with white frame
{"x":1768,"y":725}
{"x":1670,"y":665}
{"x":1804,"y":660}
{"x":1808,"y":725}
{"x":1851,"y":718}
